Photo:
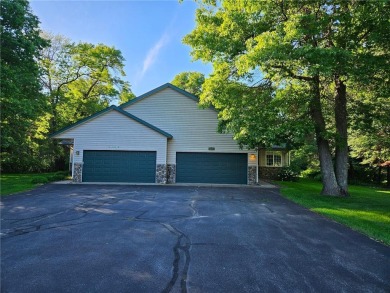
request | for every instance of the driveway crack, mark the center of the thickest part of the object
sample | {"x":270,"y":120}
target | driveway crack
{"x":182,"y":246}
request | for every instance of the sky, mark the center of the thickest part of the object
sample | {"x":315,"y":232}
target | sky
{"x":148,"y":33}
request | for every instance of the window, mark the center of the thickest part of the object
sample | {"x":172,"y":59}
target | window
{"x":273,"y":159}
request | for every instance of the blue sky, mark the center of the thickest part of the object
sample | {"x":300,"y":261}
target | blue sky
{"x":148,"y":33}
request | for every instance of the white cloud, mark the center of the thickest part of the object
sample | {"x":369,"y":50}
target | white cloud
{"x":153,"y":53}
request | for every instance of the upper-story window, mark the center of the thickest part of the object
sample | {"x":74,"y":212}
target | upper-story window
{"x":273,"y":159}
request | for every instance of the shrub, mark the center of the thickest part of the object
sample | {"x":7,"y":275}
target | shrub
{"x":63,"y":173}
{"x":287,"y":174}
{"x":39,"y":179}
{"x":312,"y":173}
{"x":56,"y":177}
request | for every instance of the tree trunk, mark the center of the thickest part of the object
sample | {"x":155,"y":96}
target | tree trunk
{"x":329,"y":182}
{"x":341,"y":159}
{"x":388,"y":176}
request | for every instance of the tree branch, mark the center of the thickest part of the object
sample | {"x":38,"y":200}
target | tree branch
{"x":292,"y":74}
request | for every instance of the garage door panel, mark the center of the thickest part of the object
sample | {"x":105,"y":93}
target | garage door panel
{"x":119,"y":166}
{"x":211,"y":168}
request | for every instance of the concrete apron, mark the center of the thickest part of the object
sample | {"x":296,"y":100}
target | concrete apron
{"x":260,"y":184}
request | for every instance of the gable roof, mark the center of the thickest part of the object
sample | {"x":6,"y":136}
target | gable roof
{"x":119,"y":110}
{"x":160,"y":88}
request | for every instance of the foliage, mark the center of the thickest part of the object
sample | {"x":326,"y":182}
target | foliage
{"x":21,"y":100}
{"x":81,"y":79}
{"x":285,"y":70}
{"x":46,"y":87}
{"x":312,"y":173}
{"x":287,"y":174}
{"x":78,"y":80}
{"x":370,"y":127}
{"x":367,"y":210}
{"x":190,"y":81}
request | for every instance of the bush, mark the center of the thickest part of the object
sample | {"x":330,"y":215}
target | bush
{"x":39,"y":179}
{"x":287,"y":174}
{"x":63,"y":173}
{"x":312,"y":173}
{"x":56,"y":177}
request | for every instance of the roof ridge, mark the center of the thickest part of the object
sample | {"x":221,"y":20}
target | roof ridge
{"x":157,"y":89}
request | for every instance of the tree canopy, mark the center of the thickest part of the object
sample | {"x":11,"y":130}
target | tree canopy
{"x":20,"y":96}
{"x":191,"y":82}
{"x":48,"y":82}
{"x":286,"y":69}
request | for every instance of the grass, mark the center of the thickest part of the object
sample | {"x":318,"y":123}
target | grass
{"x":12,"y":183}
{"x":367,"y":210}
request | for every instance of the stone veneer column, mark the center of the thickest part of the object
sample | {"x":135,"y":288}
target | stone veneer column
{"x":78,"y":172}
{"x":161,"y":173}
{"x":171,"y":176}
{"x":252,"y":175}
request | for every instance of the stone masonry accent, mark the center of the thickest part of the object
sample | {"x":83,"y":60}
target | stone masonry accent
{"x":78,"y":172}
{"x":251,"y":175}
{"x":161,"y":173}
{"x":171,"y":173}
{"x":269,"y":172}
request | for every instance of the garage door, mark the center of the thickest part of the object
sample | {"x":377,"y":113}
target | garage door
{"x":211,"y":168}
{"x":119,"y":166}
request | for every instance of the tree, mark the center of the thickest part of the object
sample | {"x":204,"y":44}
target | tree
{"x":81,"y":79}
{"x":191,"y":82}
{"x":370,"y":128}
{"x":311,"y":53}
{"x":78,"y":80}
{"x":21,"y":100}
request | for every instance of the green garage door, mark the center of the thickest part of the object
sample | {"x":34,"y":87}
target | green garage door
{"x":119,"y":166}
{"x":211,"y":168}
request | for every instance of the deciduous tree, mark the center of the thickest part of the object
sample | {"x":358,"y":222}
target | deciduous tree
{"x":20,"y":96}
{"x":190,"y":81}
{"x":306,"y":50}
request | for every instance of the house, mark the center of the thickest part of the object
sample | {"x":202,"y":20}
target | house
{"x":161,"y":137}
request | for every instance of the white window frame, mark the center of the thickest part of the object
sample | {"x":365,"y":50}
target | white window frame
{"x":273,"y":154}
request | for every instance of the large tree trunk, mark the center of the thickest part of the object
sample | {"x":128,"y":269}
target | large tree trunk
{"x":341,"y":159}
{"x":329,"y":182}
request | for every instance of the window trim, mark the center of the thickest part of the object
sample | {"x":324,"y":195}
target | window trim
{"x":274,"y":153}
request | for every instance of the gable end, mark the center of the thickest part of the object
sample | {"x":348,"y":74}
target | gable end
{"x":114,"y":108}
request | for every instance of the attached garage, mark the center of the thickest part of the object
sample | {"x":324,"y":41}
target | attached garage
{"x":119,"y":166}
{"x":160,"y":137}
{"x":222,"y":168}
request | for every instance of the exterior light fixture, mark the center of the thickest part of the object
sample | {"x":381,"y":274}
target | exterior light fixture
{"x":252,"y":157}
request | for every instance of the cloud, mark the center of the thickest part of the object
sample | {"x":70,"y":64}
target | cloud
{"x":153,"y":53}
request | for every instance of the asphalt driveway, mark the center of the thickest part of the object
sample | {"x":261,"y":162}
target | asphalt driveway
{"x":88,"y":238}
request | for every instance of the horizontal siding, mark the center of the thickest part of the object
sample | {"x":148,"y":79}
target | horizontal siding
{"x":114,"y":131}
{"x":193,"y":129}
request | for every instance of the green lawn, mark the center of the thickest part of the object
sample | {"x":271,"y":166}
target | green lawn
{"x":367,"y":210}
{"x":12,"y":183}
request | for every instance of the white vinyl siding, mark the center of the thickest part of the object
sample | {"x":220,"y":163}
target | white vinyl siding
{"x":193,"y":129}
{"x":115,"y":132}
